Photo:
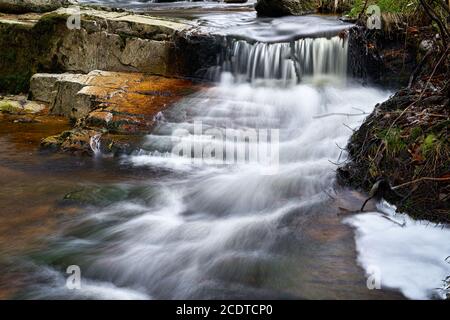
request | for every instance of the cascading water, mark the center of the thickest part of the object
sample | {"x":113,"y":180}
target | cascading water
{"x":290,"y":62}
{"x":94,"y":143}
{"x":206,"y":230}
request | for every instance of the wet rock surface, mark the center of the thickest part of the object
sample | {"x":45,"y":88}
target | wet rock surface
{"x":404,"y":141}
{"x":19,"y":105}
{"x":278,"y":8}
{"x":101,"y":40}
{"x":388,"y":56}
{"x":381,"y":58}
{"x":114,"y":106}
{"x":23,"y":6}
{"x":57,"y":61}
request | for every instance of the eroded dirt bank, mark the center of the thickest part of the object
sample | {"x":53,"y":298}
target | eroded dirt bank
{"x":404,"y":143}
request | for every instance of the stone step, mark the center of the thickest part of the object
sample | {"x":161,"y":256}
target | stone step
{"x":108,"y":103}
{"x":76,"y":95}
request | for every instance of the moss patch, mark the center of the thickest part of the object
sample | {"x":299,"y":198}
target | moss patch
{"x":386,"y":6}
{"x":9,"y":107}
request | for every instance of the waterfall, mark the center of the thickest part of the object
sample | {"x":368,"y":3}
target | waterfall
{"x":288,"y":62}
{"x":204,"y":229}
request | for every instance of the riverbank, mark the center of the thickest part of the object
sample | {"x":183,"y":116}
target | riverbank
{"x":404,"y":142}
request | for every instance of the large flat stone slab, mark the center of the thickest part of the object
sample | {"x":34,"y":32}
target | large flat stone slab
{"x":134,"y":20}
{"x":76,"y":95}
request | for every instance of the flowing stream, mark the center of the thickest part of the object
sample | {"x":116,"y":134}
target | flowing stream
{"x":189,"y":228}
{"x":212,"y":230}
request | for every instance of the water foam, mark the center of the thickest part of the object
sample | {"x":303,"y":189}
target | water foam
{"x":409,"y":254}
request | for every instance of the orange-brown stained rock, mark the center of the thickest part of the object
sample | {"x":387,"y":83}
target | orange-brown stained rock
{"x":122,"y":104}
{"x":136,"y":93}
{"x":127,"y":102}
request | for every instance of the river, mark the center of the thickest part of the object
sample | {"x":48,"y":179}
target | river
{"x":155,"y":225}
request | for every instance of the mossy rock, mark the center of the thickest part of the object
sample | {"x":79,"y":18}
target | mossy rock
{"x":95,"y":195}
{"x":12,"y":107}
{"x":52,"y":142}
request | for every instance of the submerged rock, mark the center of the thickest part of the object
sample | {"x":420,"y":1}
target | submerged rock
{"x":95,"y":195}
{"x":276,"y":8}
{"x":76,"y":141}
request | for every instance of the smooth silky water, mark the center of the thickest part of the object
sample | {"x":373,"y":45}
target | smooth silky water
{"x":155,"y":225}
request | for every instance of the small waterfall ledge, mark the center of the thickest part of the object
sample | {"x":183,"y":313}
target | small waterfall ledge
{"x":290,"y":62}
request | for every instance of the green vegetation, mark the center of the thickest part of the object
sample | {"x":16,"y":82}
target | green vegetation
{"x":391,"y":6}
{"x":393,"y":141}
{"x":409,"y":148}
{"x":428,"y":144}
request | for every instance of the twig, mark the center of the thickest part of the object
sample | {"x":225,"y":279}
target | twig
{"x":336,"y":163}
{"x":347,"y":126}
{"x":340,"y":114}
{"x":419,"y":180}
{"x":329,"y":195}
{"x":359,"y":109}
{"x":364,"y":204}
{"x":342,"y":149}
{"x":363,"y":9}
